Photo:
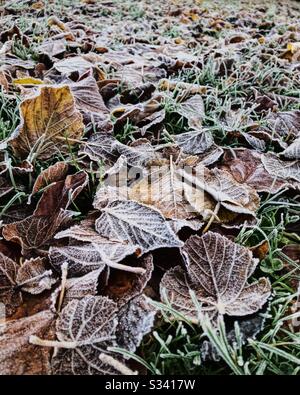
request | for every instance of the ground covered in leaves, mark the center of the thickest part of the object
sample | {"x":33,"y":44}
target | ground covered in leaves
{"x":149,"y":187}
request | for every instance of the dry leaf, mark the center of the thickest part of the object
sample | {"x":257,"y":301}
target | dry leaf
{"x":48,"y":119}
{"x":194,"y":142}
{"x":33,"y":276}
{"x":137,"y":224}
{"x":217,"y":271}
{"x":10,"y":296}
{"x":89,"y":324}
{"x":288,"y":170}
{"x":163,"y":189}
{"x":136,"y":319}
{"x":17,"y":355}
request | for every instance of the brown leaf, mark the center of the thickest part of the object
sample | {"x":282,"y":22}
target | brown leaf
{"x":246,"y":167}
{"x":163,"y":188}
{"x":10,"y":296}
{"x":37,"y":230}
{"x":48,"y":119}
{"x":124,"y":286}
{"x":217,"y":271}
{"x":53,"y":173}
{"x":17,"y":355}
{"x":33,"y":276}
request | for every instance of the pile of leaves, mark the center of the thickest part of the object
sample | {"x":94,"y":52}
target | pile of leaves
{"x":149,"y":187}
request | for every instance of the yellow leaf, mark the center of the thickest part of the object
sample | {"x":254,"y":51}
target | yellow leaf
{"x":293,"y":47}
{"x":50,"y":123}
{"x":28,"y":81}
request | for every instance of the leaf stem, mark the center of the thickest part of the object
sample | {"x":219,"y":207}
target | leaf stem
{"x":120,"y":367}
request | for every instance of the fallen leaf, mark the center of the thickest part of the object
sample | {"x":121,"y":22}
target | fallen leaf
{"x":89,"y":325}
{"x":288,"y":170}
{"x":217,"y":271}
{"x":135,"y":320}
{"x":137,"y":224}
{"x":48,"y":120}
{"x":33,"y":276}
{"x":194,"y":142}
{"x":18,"y":356}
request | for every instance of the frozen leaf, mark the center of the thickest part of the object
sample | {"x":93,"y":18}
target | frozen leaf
{"x":193,"y":110}
{"x":194,"y":142}
{"x":90,"y":102}
{"x":163,"y":189}
{"x":285,"y":123}
{"x":17,"y":355}
{"x":88,"y":326}
{"x":103,"y":146}
{"x":71,"y":65}
{"x":87,"y":96}
{"x":61,"y":193}
{"x":136,"y":156}
{"x":137,"y":224}
{"x":178,"y":224}
{"x":246,"y":167}
{"x":123,"y":286}
{"x":54,"y":173}
{"x":136,"y":319}
{"x":52,"y":48}
{"x":33,"y":276}
{"x":218,"y":196}
{"x":288,"y":170}
{"x":99,"y":148}
{"x":9,"y":295}
{"x":217,"y":271}
{"x":144,"y":115}
{"x":92,"y":252}
{"x":78,"y":288}
{"x":49,"y":119}
{"x":293,"y":150}
{"x":35,"y":232}
{"x":49,"y":216}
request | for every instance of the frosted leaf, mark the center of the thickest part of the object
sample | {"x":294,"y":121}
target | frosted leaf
{"x":89,"y":256}
{"x":71,"y":65}
{"x":102,"y":146}
{"x":35,"y":232}
{"x":53,"y":173}
{"x":247,"y":168}
{"x":217,"y":271}
{"x":254,"y":142}
{"x":220,"y":188}
{"x":78,"y":287}
{"x":194,"y":142}
{"x":99,"y":147}
{"x":285,"y":123}
{"x":136,"y":156}
{"x":163,"y":189}
{"x":289,"y":170}
{"x":192,"y":109}
{"x":293,"y":150}
{"x":137,"y":224}
{"x":123,"y":286}
{"x":136,"y":319}
{"x":9,"y":295}
{"x":17,"y":355}
{"x":178,"y":224}
{"x":33,"y":276}
{"x":211,"y":156}
{"x":89,"y":324}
